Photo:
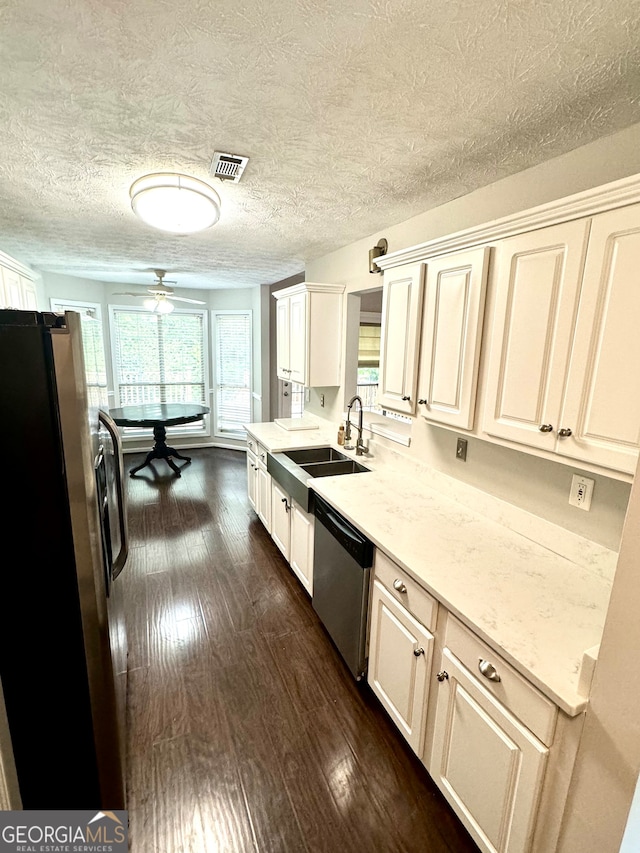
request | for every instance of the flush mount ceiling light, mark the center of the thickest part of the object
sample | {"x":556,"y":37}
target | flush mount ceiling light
{"x":175,"y":203}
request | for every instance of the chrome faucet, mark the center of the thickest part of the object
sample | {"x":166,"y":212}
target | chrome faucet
{"x":361,"y":447}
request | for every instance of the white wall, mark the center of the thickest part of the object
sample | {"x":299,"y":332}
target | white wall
{"x":539,"y":486}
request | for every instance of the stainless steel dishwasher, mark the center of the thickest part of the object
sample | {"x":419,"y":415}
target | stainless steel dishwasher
{"x":342,"y":559}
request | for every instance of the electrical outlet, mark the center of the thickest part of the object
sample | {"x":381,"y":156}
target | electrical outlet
{"x":322,"y":400}
{"x":307,"y":395}
{"x":581,"y":491}
{"x":461,"y":449}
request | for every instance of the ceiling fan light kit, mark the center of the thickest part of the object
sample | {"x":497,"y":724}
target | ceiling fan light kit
{"x":175,"y":203}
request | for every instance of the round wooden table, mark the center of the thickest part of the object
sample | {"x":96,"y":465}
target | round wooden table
{"x":159,"y":416}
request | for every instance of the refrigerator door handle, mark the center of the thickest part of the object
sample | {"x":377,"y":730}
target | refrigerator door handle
{"x":121,"y":558}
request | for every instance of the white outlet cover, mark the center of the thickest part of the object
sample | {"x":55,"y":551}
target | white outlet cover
{"x":581,"y":491}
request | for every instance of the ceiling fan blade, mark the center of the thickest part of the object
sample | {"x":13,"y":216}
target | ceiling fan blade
{"x":184,"y":299}
{"x":127,"y":293}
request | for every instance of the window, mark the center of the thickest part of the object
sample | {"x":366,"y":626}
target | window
{"x":159,"y":358}
{"x":232,"y":336}
{"x":368,"y":364}
{"x":92,"y":345}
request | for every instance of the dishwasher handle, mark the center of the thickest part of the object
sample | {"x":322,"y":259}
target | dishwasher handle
{"x":351,"y":539}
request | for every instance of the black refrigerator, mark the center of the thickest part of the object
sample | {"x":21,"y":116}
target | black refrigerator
{"x":64,"y":536}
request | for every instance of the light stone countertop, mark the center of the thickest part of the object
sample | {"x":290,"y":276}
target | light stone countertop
{"x":537,"y":608}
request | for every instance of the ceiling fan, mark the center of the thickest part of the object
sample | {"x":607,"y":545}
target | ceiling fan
{"x":162,"y":297}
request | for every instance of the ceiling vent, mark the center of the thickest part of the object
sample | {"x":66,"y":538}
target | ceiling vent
{"x":228,"y":167}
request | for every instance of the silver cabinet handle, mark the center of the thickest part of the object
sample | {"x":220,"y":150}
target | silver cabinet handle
{"x":399,"y":586}
{"x":418,"y":652}
{"x":565,"y":433}
{"x":488,"y":670}
{"x":442,"y":676}
{"x":546,"y":427}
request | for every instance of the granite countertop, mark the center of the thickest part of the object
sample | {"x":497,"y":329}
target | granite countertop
{"x":539,"y":609}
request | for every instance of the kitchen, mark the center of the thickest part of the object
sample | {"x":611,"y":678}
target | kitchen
{"x":534,"y":483}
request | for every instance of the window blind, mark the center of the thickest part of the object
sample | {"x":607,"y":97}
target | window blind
{"x":233,"y":371}
{"x":159,"y":358}
{"x":369,"y":346}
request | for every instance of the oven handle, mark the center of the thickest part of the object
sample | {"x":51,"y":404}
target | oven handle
{"x":112,"y":429}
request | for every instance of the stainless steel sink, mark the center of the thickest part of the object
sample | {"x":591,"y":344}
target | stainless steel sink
{"x":330,"y":469}
{"x":292,"y":470}
{"x":314,"y":454}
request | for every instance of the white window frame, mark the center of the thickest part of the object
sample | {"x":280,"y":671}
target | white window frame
{"x":239,"y":434}
{"x":199,"y":428}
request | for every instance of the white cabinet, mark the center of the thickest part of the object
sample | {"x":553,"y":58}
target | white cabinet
{"x":16,"y":291}
{"x":12,"y":289}
{"x":563,"y":340}
{"x":400,"y":652}
{"x":401,"y":619}
{"x":280,"y":523}
{"x":400,"y":337}
{"x":259,"y":482}
{"x":308,"y":334}
{"x":486,"y":763}
{"x":292,"y":530}
{"x":301,"y":552}
{"x":491,"y":733}
{"x":453,"y":315}
{"x":252,"y":479}
{"x":601,"y":405}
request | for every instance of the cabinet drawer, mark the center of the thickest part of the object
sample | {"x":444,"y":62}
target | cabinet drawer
{"x":414,"y":598}
{"x":524,"y":700}
{"x":257,"y":449}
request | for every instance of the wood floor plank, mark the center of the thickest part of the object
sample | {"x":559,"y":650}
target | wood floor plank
{"x":247,"y":733}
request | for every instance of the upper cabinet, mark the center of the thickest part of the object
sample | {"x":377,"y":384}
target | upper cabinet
{"x":308,"y":334}
{"x":400,"y":337}
{"x":453,"y":314}
{"x":564,"y":339}
{"x":16,"y":291}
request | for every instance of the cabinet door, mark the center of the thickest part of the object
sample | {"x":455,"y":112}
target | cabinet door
{"x":487,"y":764}
{"x":301,"y":556}
{"x":400,"y":337}
{"x":12,"y":289}
{"x":280,"y":523}
{"x":252,"y":480}
{"x":263,"y":496}
{"x":29,"y":296}
{"x":536,"y":277}
{"x":400,"y":652}
{"x":602,"y":403}
{"x":298,"y":338}
{"x":282,"y":338}
{"x":451,"y":335}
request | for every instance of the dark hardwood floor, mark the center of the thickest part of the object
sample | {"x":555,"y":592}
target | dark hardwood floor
{"x":246,"y":730}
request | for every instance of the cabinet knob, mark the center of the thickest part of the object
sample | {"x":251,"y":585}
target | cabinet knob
{"x":406,"y":398}
{"x":399,"y":586}
{"x":546,"y":427}
{"x":565,"y":433}
{"x":442,"y":676}
{"x":488,"y":670}
{"x":418,"y":652}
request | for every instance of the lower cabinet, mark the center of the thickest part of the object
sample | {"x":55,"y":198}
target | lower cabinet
{"x":259,"y":483}
{"x":400,"y":652}
{"x":500,"y":751}
{"x":486,"y":763}
{"x":292,"y":531}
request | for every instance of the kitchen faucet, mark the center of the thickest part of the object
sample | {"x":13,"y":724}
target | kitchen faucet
{"x":361,"y":447}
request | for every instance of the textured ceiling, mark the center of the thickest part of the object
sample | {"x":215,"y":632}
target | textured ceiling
{"x":355,"y":116}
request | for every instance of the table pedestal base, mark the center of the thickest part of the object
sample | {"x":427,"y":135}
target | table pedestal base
{"x":161,"y":451}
